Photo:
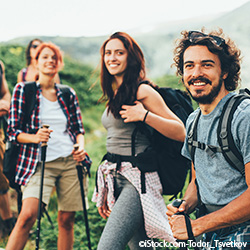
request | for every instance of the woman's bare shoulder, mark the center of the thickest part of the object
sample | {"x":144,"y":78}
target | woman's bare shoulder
{"x":144,"y":90}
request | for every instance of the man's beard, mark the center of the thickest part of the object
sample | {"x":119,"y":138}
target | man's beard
{"x":208,"y":99}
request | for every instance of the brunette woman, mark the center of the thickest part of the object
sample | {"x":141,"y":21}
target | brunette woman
{"x":30,"y":73}
{"x":65,"y":130}
{"x":133,"y":216}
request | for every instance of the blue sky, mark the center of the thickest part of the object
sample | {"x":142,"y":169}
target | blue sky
{"x":98,"y":17}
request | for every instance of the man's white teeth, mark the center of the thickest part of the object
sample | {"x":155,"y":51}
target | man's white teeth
{"x":199,"y":83}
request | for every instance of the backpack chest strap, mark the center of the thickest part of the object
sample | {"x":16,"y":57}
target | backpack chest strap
{"x":210,"y":149}
{"x":193,"y":143}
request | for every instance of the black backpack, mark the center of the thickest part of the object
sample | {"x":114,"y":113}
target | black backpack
{"x":172,"y":167}
{"x":224,"y":134}
{"x":12,"y":150}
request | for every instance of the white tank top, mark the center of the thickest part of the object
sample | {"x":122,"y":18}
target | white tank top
{"x":60,"y":143}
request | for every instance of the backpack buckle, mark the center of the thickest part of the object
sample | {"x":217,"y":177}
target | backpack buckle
{"x":211,"y":150}
{"x":225,"y":148}
{"x":223,"y":134}
{"x":201,"y":145}
{"x":190,"y":134}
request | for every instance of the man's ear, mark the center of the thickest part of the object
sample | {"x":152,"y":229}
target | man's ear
{"x":225,"y":75}
{"x":182,"y":80}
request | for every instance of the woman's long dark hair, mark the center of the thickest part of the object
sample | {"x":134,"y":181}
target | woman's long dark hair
{"x":27,"y":52}
{"x":134,"y":73}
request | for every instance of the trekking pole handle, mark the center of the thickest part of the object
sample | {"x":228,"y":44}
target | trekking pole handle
{"x":76,"y":147}
{"x":44,"y":143}
{"x":177,"y":202}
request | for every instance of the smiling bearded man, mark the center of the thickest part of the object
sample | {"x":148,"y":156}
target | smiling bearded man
{"x":210,"y":68}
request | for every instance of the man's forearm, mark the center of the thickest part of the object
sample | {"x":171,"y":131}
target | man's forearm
{"x":236,"y":212}
{"x":191,"y":197}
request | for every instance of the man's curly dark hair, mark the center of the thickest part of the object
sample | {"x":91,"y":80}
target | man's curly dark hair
{"x":228,"y":53}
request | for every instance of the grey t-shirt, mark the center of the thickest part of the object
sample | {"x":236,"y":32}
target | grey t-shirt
{"x":218,"y":182}
{"x":119,"y":135}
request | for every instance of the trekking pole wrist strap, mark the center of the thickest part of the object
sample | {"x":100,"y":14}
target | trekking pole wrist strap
{"x":189,"y":230}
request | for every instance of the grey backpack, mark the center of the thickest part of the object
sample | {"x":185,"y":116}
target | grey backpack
{"x":226,"y":142}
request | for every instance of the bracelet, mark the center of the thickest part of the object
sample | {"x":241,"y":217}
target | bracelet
{"x":145,"y":116}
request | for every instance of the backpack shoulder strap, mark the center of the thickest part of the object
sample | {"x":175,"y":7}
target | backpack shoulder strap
{"x":24,"y":73}
{"x":224,"y":133}
{"x":30,"y":89}
{"x":65,"y":93}
{"x":192,"y":136}
{"x":144,"y":82}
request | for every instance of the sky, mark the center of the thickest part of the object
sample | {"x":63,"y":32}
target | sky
{"x":75,"y":18}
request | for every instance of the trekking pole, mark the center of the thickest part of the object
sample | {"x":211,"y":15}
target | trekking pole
{"x":176,"y":203}
{"x":48,"y":217}
{"x":80,"y":166}
{"x":39,"y":215}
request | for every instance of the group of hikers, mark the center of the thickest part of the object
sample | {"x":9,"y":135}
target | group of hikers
{"x":209,"y":67}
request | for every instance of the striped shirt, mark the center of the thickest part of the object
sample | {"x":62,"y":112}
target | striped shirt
{"x":29,"y":153}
